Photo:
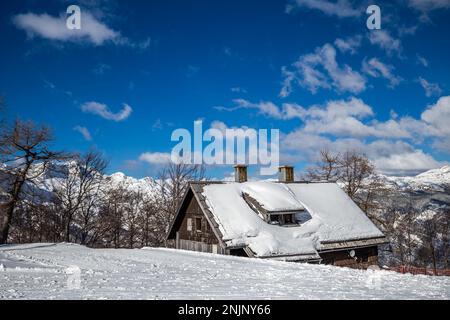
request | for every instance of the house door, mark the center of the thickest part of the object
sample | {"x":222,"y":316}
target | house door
{"x":214,"y":248}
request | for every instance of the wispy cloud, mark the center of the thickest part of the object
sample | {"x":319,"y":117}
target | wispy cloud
{"x":339,"y":8}
{"x":350,"y":44}
{"x":103,"y":111}
{"x":395,"y":145}
{"x":84,"y":132}
{"x":93,"y":31}
{"x":421,"y":60}
{"x":431,"y":89}
{"x":426,"y":6}
{"x":49,"y":85}
{"x":320,"y":70}
{"x":101,"y":68}
{"x":238,"y":90}
{"x":155,"y":157}
{"x":157,"y":125}
{"x":353,"y":118}
{"x":268,"y":109}
{"x":384,"y":40}
{"x":375,"y":68}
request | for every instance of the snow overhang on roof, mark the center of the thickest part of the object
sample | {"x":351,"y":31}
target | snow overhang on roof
{"x":273,"y":197}
{"x":335,"y":217}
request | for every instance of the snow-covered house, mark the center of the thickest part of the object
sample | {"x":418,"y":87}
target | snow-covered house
{"x":285,"y":220}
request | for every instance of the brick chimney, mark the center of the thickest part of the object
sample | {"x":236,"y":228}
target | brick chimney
{"x":286,"y":174}
{"x":240,"y":173}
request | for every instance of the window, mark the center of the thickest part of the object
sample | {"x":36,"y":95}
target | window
{"x":302,"y":216}
{"x":189,"y":224}
{"x":288,"y":219}
{"x":198,"y":224}
{"x":274,"y":219}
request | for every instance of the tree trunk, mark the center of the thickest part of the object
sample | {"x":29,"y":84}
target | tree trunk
{"x":433,"y":256}
{"x":10,"y":207}
{"x":69,"y":221}
{"x":5,"y":224}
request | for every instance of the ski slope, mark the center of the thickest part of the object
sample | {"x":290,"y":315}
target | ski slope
{"x":46,"y":271}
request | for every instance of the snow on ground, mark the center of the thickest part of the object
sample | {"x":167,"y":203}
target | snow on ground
{"x":41,"y":271}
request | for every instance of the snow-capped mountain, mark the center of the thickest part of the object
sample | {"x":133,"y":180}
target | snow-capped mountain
{"x":432,"y":181}
{"x":435,"y":179}
{"x":146,"y":185}
{"x":47,"y":179}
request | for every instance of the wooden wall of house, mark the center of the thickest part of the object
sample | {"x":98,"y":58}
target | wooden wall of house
{"x":200,"y":237}
{"x":364,"y":257}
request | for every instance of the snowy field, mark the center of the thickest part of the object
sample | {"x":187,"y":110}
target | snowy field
{"x":67,"y":271}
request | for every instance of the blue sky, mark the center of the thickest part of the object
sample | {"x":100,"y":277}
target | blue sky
{"x":140,"y":69}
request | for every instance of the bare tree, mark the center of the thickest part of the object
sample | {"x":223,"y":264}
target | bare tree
{"x":84,"y":178}
{"x":24,"y":155}
{"x":88,"y":218}
{"x":326,"y":169}
{"x":173,"y":182}
{"x":132,"y":209}
{"x":430,"y":239}
{"x":352,"y":170}
{"x":149,"y":226}
{"x":445,"y":232}
{"x":112,"y":215}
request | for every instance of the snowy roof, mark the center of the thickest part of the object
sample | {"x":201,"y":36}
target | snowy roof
{"x":335,"y":217}
{"x":272,"y":196}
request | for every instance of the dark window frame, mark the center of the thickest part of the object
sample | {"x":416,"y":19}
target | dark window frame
{"x":198,"y":224}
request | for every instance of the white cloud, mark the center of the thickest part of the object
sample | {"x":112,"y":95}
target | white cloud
{"x":345,"y":118}
{"x":421,"y":60}
{"x":431,"y":89}
{"x":54,"y":28}
{"x":339,"y":8}
{"x":406,"y":164}
{"x":428,"y":5}
{"x":101,"y":68}
{"x":352,"y":118}
{"x":157,"y":125}
{"x":238,"y":90}
{"x":395,"y":145}
{"x":268,"y":109}
{"x":389,"y":157}
{"x":155,"y":157}
{"x":438,"y":117}
{"x":320,"y":70}
{"x":84,"y":132}
{"x":385,"y":41}
{"x":350,"y":44}
{"x":49,"y":84}
{"x":103,"y":111}
{"x":376,"y":69}
{"x":289,"y":78}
